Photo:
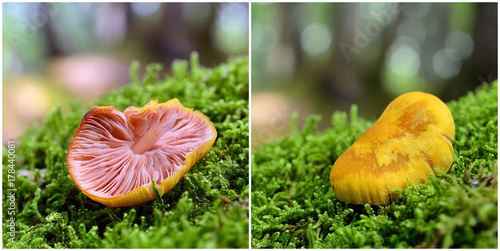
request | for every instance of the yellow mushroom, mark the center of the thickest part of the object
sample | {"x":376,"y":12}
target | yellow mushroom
{"x":411,"y":139}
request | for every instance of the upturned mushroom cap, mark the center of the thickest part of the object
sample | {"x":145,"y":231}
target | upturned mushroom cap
{"x":113,"y":156}
{"x":411,"y":139}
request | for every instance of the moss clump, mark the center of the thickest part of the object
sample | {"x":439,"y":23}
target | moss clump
{"x":207,"y":209}
{"x":293,"y":205}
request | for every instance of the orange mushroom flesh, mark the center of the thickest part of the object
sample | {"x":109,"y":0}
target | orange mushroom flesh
{"x":411,"y":139}
{"x":113,"y":156}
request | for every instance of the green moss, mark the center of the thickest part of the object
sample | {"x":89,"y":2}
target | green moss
{"x":207,"y":209}
{"x":293,"y":205}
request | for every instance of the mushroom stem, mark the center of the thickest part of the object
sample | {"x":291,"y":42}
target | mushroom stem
{"x":149,"y":139}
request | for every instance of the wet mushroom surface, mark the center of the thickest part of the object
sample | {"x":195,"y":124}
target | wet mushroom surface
{"x":114,"y":156}
{"x":411,"y":139}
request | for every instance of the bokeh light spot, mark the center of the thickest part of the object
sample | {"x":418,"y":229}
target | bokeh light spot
{"x":234,"y":19}
{"x":316,"y":39}
{"x":444,"y":65}
{"x":404,"y":60}
{"x":33,"y":96}
{"x":230,"y":31}
{"x":145,"y":9}
{"x":460,"y":44}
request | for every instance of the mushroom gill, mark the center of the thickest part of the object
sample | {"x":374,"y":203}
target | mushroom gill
{"x":114,"y":156}
{"x":411,"y":139}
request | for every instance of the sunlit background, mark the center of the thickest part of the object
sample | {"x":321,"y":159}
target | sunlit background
{"x":322,"y":57}
{"x":54,"y":53}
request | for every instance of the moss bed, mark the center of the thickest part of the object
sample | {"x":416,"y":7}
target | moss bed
{"x":293,"y":205}
{"x":207,"y":209}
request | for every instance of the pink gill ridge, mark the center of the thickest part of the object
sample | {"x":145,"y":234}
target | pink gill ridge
{"x":112,"y":167}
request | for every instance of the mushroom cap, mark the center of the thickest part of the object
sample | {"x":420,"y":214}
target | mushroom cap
{"x":411,"y":139}
{"x":113,"y":156}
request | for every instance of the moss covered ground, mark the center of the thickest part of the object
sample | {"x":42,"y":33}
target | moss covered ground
{"x":294,"y":206}
{"x":207,"y":209}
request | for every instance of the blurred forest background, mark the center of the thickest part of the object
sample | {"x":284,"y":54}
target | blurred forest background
{"x":322,"y":57}
{"x":54,"y":53}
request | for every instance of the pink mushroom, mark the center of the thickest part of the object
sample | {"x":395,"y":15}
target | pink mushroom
{"x":113,"y":156}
